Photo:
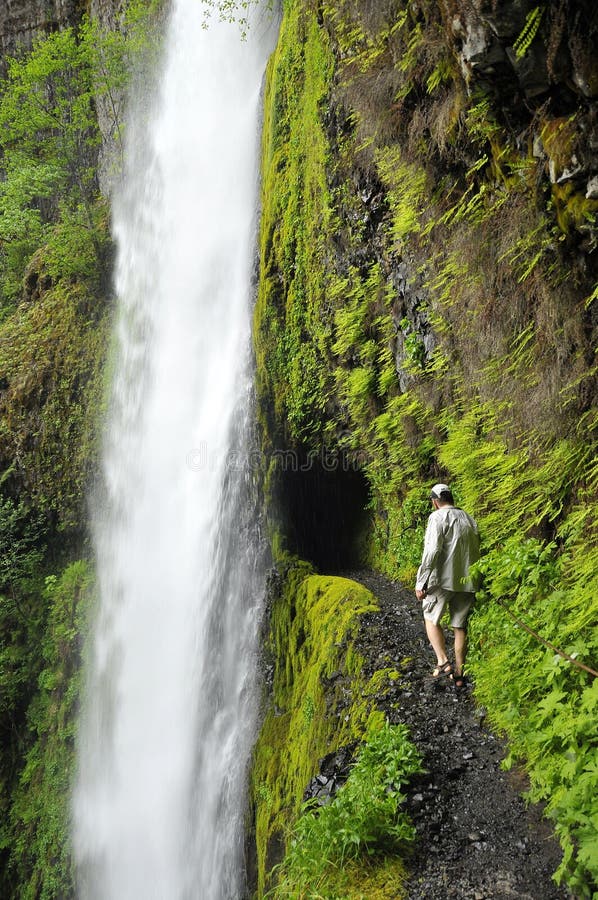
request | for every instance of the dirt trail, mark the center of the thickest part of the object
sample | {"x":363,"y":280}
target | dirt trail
{"x":477,"y":837}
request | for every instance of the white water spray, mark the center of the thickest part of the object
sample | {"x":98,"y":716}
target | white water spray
{"x":168,"y":721}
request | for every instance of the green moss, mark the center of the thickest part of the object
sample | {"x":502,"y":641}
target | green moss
{"x":290,"y":340}
{"x":374,"y":879}
{"x":364,"y":820}
{"x":37,"y":828}
{"x":51,"y":356}
{"x":573,"y":211}
{"x":320,"y":699}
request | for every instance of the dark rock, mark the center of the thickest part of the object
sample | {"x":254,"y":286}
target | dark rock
{"x":531,"y":70}
{"x":334,"y":771}
{"x":21,"y":21}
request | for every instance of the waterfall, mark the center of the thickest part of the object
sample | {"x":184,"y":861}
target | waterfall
{"x":168,"y":720}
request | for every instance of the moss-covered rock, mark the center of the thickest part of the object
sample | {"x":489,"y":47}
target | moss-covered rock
{"x":52,"y":351}
{"x":318,"y":701}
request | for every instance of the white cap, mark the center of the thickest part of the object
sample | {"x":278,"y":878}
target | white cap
{"x":439,"y":489}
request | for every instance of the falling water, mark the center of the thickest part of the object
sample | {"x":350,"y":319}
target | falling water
{"x":168,"y":720}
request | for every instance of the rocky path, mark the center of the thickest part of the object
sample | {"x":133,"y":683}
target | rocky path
{"x":477,"y":837}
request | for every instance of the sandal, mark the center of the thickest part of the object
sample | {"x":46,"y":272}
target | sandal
{"x":459,"y":681}
{"x":444,"y":668}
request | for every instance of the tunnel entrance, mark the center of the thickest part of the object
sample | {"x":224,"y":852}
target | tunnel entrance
{"x":322,"y":511}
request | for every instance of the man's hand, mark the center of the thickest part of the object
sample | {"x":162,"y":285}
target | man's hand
{"x":420,"y":594}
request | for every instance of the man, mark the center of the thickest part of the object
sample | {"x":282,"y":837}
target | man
{"x":451,"y":546}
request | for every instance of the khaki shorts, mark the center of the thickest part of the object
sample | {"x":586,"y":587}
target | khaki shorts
{"x":459,"y":603}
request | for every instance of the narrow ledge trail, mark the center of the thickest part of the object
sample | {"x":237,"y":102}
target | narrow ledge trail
{"x":477,"y":837}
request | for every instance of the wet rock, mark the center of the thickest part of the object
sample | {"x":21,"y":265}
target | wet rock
{"x":334,"y":771}
{"x":592,"y":188}
{"x":481,"y":52}
{"x":531,"y":70}
{"x":21,"y":21}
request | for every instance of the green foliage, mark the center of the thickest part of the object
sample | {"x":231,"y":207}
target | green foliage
{"x":362,"y":48}
{"x":529,"y":31}
{"x":22,"y":618}
{"x":403,"y":538}
{"x":54,"y":253}
{"x":21,"y":547}
{"x":548,"y":713}
{"x":364,"y":818}
{"x":37,"y":830}
{"x":480,"y":119}
{"x":528,"y":250}
{"x":49,"y":138}
{"x":320,"y":699}
{"x":406,"y":185}
{"x":51,"y":356}
{"x":54,"y":249}
{"x":413,"y":345}
{"x":363,"y":329}
{"x":441,"y":74}
{"x":232,"y":11}
{"x":292,"y":342}
{"x":551,"y":720}
{"x":519,"y":569}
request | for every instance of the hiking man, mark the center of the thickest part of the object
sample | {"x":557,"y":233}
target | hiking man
{"x":451,"y":545}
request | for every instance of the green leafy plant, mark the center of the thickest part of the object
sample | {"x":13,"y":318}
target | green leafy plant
{"x":49,"y":137}
{"x":413,"y":346}
{"x":364,"y":818}
{"x":22,"y":547}
{"x":50,"y":140}
{"x":529,"y":31}
{"x":40,"y":859}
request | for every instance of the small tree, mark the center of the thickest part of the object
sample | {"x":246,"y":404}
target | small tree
{"x":48,"y":138}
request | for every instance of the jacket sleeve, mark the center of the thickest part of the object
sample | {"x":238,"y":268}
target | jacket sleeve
{"x":432,"y":546}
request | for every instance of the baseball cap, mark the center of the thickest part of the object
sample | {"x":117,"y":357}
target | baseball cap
{"x":439,"y":489}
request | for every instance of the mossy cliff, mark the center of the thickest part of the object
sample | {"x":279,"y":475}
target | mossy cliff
{"x":427,"y":311}
{"x":320,"y":702}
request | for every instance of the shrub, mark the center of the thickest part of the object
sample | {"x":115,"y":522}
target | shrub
{"x":364,"y":818}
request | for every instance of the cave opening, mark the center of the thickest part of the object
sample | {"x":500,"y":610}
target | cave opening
{"x":322,"y":508}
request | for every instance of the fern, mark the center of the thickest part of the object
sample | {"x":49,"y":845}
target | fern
{"x":529,"y":31}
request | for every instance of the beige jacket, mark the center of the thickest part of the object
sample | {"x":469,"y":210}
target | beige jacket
{"x":451,"y":545}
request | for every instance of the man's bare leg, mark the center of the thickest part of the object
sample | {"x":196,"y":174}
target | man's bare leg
{"x":460,"y":649}
{"x":436,"y":638}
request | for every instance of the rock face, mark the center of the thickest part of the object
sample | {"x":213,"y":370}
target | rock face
{"x":427,"y":301}
{"x":22,"y":20}
{"x":540,"y":62}
{"x":110,"y":109}
{"x":502,"y":42}
{"x":106,"y":11}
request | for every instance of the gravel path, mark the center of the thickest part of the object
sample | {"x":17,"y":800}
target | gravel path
{"x":477,"y":837}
